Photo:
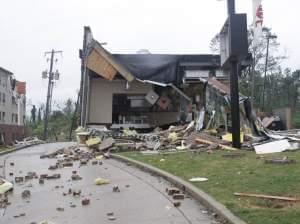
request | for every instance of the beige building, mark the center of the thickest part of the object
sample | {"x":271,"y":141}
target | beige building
{"x":141,"y":90}
{"x":12,"y":107}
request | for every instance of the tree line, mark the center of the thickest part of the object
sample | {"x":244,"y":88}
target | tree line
{"x":280,"y":87}
{"x":60,"y":120}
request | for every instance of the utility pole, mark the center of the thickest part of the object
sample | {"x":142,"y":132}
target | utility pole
{"x":49,"y":92}
{"x":269,"y":36}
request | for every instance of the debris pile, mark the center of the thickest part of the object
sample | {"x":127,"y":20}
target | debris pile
{"x":181,"y":138}
{"x":29,"y":141}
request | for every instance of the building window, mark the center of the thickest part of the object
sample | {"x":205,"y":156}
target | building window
{"x":2,"y":138}
{"x":3,"y":117}
{"x":13,"y":100}
{"x":4,"y":82}
{"x":3,"y":98}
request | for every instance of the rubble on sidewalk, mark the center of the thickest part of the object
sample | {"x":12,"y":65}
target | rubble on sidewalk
{"x":116,"y":188}
{"x":26,"y":194}
{"x":85,"y":202}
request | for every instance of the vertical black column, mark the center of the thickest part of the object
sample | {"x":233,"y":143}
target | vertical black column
{"x":234,"y":100}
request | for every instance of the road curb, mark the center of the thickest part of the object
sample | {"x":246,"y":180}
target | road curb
{"x":17,"y":149}
{"x":208,"y":201}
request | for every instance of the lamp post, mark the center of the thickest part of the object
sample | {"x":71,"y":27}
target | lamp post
{"x":269,"y":36}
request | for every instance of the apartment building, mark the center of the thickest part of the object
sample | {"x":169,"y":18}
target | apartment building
{"x":12,"y":107}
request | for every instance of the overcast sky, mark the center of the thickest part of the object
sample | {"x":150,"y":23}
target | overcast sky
{"x":28,"y":28}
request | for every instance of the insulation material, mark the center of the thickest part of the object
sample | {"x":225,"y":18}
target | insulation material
{"x":101,"y":66}
{"x":228,"y":137}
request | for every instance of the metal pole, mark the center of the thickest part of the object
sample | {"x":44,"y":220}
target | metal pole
{"x":234,"y":100}
{"x":234,"y":90}
{"x":231,"y":7}
{"x":253,"y":80}
{"x":48,"y":96}
{"x":265,"y":76}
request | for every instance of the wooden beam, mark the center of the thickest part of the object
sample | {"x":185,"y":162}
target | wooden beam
{"x":109,"y":58}
{"x":100,"y":65}
{"x":263,"y":196}
{"x":225,"y":147}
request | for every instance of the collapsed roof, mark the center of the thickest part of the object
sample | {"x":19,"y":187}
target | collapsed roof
{"x":161,"y":68}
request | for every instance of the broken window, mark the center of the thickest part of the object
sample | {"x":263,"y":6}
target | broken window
{"x":130,"y":109}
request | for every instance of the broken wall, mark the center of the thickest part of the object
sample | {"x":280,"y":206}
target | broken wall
{"x":285,"y":115}
{"x":162,"y":118}
{"x":101,"y":97}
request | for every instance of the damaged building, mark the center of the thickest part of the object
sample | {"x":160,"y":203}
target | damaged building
{"x":144,"y":91}
{"x":12,"y":108}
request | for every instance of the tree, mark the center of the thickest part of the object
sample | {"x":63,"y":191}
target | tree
{"x":59,"y":121}
{"x":274,"y":69}
{"x":68,"y":108}
{"x":39,"y":116}
{"x":33,"y":114}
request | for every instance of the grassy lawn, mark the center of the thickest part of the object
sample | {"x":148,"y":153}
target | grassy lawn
{"x":246,"y":174}
{"x":2,"y":148}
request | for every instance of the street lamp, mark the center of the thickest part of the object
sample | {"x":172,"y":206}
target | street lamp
{"x":269,"y":36}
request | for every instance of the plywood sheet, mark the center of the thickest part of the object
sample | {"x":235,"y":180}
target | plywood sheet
{"x":101,"y":66}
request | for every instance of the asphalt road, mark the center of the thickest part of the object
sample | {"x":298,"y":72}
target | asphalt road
{"x":142,"y":197}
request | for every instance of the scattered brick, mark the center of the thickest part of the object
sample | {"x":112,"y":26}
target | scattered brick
{"x":116,"y":188}
{"x":176,"y":203}
{"x":60,"y":209}
{"x":76,"y":177}
{"x":53,"y":176}
{"x":85,"y":202}
{"x":172,"y":191}
{"x":26,"y":194}
{"x":178,"y":196}
{"x":41,"y":181}
{"x":19,"y":179}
